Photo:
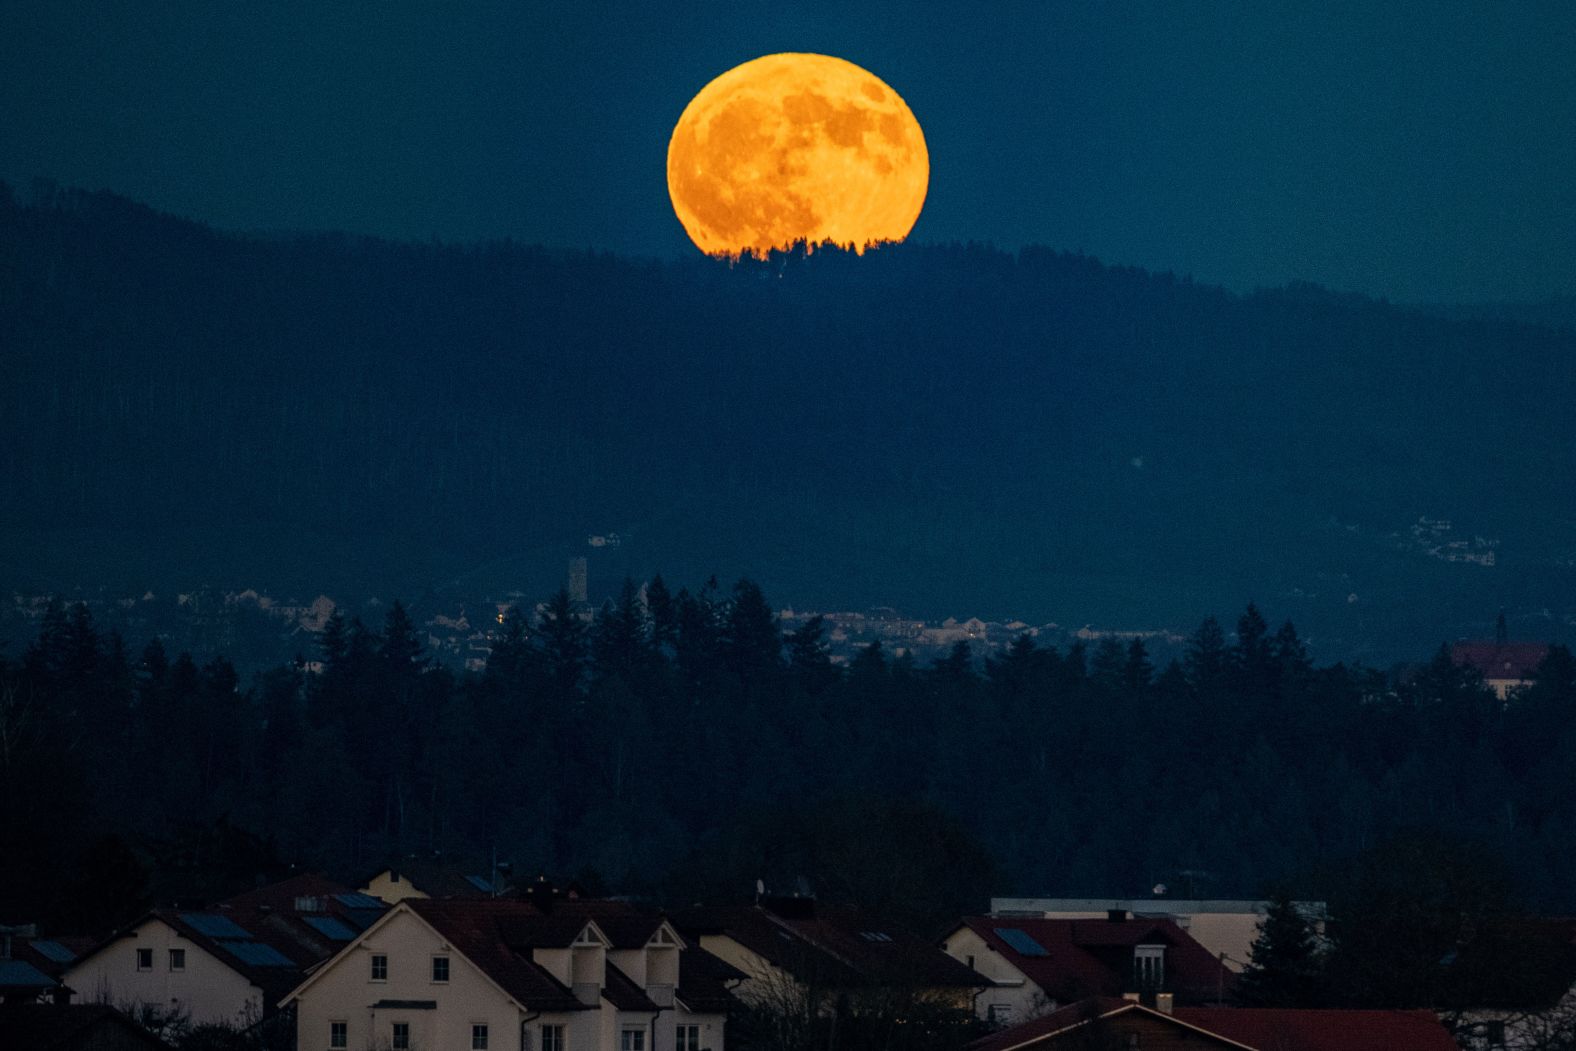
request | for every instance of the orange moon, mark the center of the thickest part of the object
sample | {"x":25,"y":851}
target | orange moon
{"x":796,"y":147}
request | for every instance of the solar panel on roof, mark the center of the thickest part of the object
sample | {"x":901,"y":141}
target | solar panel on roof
{"x":21,"y":974}
{"x":358,"y":901}
{"x":479,"y":883}
{"x":54,"y":951}
{"x":213,"y":925}
{"x":257,"y":954}
{"x":1020,"y":941}
{"x":329,"y":927}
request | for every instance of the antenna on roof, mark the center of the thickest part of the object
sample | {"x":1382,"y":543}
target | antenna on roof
{"x":760,"y":889}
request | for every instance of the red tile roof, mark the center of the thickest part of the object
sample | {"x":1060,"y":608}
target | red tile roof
{"x":1093,"y":957}
{"x":1501,"y":660}
{"x":1261,"y":1029}
{"x":1305,"y":1030}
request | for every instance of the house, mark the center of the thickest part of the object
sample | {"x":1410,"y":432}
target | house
{"x":31,"y":967}
{"x":1505,"y":666}
{"x":424,"y":877}
{"x":1223,"y":926}
{"x":227,"y":964}
{"x":1037,"y":965}
{"x":1106,"y":1022}
{"x":73,"y":1027}
{"x":504,"y":974}
{"x":801,"y":944}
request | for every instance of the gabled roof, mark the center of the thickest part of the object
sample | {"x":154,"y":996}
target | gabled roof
{"x":705,"y":982}
{"x":622,"y":992}
{"x":497,"y":936}
{"x":833,"y":946}
{"x":440,"y":878}
{"x":1075,"y":959}
{"x":1048,"y":1029}
{"x":1308,"y":1030}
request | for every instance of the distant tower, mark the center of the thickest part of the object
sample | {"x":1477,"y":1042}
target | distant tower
{"x":577,"y":581}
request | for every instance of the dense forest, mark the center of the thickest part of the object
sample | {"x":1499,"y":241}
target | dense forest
{"x":679,"y":746}
{"x":944,"y":429}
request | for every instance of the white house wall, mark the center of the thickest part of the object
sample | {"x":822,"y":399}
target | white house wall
{"x":207,"y":991}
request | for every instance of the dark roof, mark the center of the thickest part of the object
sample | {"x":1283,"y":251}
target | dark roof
{"x":53,"y":956}
{"x":834,"y":946}
{"x":1259,"y":1028}
{"x":1501,"y":660}
{"x":622,"y":992}
{"x":494,"y":934}
{"x":626,"y":926}
{"x":69,"y":1027}
{"x":283,"y":895}
{"x":1093,"y":957}
{"x":19,"y":974}
{"x":704,"y":982}
{"x":1302,"y":1030}
{"x":441,"y":878}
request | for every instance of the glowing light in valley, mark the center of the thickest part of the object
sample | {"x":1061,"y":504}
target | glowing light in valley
{"x":796,"y":147}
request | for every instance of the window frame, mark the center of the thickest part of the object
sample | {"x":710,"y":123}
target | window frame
{"x":177,"y":960}
{"x":399,"y":1036}
{"x":440,"y":958}
{"x":479,"y":1030}
{"x":679,"y":1031}
{"x":624,"y":1041}
{"x":560,"y":1033}
{"x":144,"y":954}
{"x":341,"y":1029}
{"x":379,"y":961}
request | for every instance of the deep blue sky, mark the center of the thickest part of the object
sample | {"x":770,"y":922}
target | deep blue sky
{"x":1412,"y":150}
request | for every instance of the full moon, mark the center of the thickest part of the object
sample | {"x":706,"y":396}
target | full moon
{"x":796,"y":147}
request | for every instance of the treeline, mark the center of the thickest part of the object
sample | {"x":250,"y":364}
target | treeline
{"x":943,"y":429}
{"x":680,"y":745}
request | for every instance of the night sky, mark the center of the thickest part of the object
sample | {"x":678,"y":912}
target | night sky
{"x":1414,"y":151}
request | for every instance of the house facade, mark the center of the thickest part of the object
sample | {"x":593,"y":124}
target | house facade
{"x":1036,"y":966}
{"x":501,"y":975}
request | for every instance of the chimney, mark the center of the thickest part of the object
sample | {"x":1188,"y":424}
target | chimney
{"x":1131,"y":998}
{"x":1164,"y":1002}
{"x":1116,"y":915}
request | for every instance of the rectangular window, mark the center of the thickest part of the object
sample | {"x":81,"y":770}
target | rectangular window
{"x":632,"y":1040}
{"x":380,"y":968}
{"x":144,"y":959}
{"x":338,"y":1035}
{"x":552,"y":1038}
{"x":440,"y":968}
{"x":1000,"y":1014}
{"x":1149,"y":967}
{"x":478,"y":1038}
{"x":688,"y":1038}
{"x":177,"y":959}
{"x":401,"y":1040}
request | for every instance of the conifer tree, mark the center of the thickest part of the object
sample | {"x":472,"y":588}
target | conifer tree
{"x":1286,"y":965}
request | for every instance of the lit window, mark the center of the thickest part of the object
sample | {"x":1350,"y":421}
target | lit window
{"x":380,"y":968}
{"x":688,"y":1038}
{"x":552,"y":1038}
{"x":440,"y":968}
{"x":401,"y":1037}
{"x":632,"y":1040}
{"x":144,"y":959}
{"x":177,"y":959}
{"x":478,"y":1038}
{"x":338,"y":1035}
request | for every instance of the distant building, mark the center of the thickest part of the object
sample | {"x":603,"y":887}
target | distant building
{"x":1505,"y":666}
{"x":1223,"y":926}
{"x":798,"y":943}
{"x":1040,"y":965}
{"x":422,"y":877}
{"x":577,"y":582}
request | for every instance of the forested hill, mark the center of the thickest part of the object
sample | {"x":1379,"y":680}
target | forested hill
{"x":942,"y":429}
